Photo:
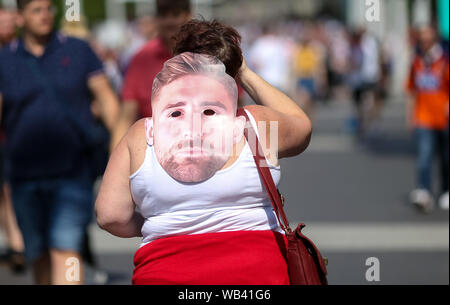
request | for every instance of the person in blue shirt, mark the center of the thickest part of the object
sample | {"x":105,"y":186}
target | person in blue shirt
{"x":47,"y":83}
{"x":12,"y":255}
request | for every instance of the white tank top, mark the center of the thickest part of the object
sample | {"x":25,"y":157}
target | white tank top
{"x":234,"y":199}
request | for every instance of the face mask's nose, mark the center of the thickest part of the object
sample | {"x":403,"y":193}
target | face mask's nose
{"x":193,"y":128}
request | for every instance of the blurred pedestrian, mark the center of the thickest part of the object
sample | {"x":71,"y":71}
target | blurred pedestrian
{"x":77,"y":29}
{"x":309,"y":70}
{"x":338,"y":60}
{"x":270,"y":56}
{"x":46,"y":83}
{"x":80,"y":30}
{"x":170,"y":15}
{"x":111,"y":62}
{"x":198,"y":235}
{"x":7,"y":26}
{"x":365,"y":78}
{"x":13,"y":255}
{"x":138,"y":34}
{"x":428,"y":115}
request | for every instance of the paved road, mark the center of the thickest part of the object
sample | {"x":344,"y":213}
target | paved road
{"x":352,"y":195}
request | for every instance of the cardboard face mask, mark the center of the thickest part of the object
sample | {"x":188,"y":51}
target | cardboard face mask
{"x":194,"y":121}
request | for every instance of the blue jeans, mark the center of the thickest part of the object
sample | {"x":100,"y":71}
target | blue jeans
{"x":308,"y":85}
{"x":53,"y":213}
{"x":429,"y":142}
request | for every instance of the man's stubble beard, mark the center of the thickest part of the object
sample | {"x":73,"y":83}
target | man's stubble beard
{"x":193,"y":170}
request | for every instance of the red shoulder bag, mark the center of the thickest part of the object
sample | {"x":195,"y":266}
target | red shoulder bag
{"x":305,"y":263}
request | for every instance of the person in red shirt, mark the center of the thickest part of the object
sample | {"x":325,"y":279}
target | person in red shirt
{"x":144,"y":66}
{"x":428,"y":114}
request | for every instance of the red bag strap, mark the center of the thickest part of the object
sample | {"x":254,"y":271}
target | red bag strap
{"x":264,"y":172}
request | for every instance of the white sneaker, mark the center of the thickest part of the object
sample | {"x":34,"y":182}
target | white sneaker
{"x":422,"y":199}
{"x":443,"y":201}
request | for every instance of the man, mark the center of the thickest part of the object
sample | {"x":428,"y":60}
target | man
{"x":170,"y":15}
{"x":7,"y":26}
{"x":365,"y":80}
{"x":47,"y":83}
{"x":270,"y":56}
{"x":427,"y":112}
{"x":13,"y":238}
{"x":193,"y":139}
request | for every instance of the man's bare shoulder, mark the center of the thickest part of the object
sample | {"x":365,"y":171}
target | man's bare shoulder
{"x":135,"y":136}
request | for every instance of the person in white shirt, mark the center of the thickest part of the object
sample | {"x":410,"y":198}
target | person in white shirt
{"x":202,"y":210}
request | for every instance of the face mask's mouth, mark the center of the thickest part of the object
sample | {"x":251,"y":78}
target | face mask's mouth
{"x":191,"y":151}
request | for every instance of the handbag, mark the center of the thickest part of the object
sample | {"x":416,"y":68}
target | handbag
{"x":94,"y":136}
{"x":305,"y":263}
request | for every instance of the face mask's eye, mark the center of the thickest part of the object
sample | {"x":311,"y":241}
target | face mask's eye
{"x":209,"y":112}
{"x":175,"y":114}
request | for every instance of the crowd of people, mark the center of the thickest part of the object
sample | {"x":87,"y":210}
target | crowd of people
{"x":309,"y":60}
{"x":69,"y":98}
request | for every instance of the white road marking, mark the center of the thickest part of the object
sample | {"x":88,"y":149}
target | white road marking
{"x":380,"y":237}
{"x":333,"y":237}
{"x":328,"y":237}
{"x":104,"y":242}
{"x":331,"y":144}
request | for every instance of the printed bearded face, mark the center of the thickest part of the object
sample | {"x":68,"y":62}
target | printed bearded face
{"x":194,"y":127}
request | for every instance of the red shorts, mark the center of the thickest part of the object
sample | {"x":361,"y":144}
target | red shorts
{"x":225,"y":258}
